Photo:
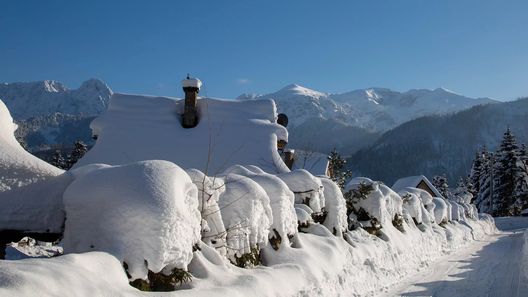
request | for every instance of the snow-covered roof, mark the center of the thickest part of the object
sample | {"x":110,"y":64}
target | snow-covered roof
{"x":229,"y":132}
{"x":413,"y":182}
{"x":192,"y":83}
{"x":315,"y":163}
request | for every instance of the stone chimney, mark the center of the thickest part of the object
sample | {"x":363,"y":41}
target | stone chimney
{"x":191,"y":87}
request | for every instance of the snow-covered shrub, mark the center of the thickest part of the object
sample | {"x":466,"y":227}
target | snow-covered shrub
{"x":209,"y":190}
{"x":440,"y":211}
{"x":284,"y":223}
{"x":308,"y":190}
{"x":335,"y":206}
{"x":427,"y":204}
{"x":372,"y":204}
{"x":412,"y":206}
{"x":449,"y":210}
{"x":144,"y":213}
{"x":304,"y":215}
{"x":457,"y":212}
{"x":247,"y":216}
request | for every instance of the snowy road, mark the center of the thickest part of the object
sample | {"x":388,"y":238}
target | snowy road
{"x":491,"y":267}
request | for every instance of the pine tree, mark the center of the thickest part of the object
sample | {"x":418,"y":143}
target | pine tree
{"x":485,"y":181}
{"x":337,"y":168}
{"x":476,"y":171}
{"x":461,"y":193}
{"x":58,"y":160}
{"x":78,"y":152}
{"x":507,"y":174}
{"x":440,"y":183}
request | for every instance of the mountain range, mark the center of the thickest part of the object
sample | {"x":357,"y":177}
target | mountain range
{"x":435,"y":145}
{"x":385,"y":133}
{"x":49,"y":114}
{"x":353,"y":120}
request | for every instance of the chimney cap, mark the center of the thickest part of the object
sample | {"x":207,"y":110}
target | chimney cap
{"x":191,"y":83}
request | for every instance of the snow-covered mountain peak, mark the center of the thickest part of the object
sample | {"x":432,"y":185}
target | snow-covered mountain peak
{"x":375,"y":109}
{"x":298,"y":90}
{"x":42,"y":98}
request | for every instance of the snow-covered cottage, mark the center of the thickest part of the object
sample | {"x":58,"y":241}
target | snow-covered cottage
{"x":203,"y":133}
{"x":418,"y":181}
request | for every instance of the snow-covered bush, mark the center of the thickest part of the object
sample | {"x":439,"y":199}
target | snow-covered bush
{"x":372,"y":204}
{"x":209,"y":190}
{"x":145,"y":214}
{"x":427,"y":204}
{"x":335,"y":206}
{"x":304,"y":215}
{"x":449,"y":210}
{"x":308,"y":190}
{"x":281,"y":199}
{"x":412,"y":206}
{"x":247,"y":216}
{"x":440,"y":211}
{"x":457,"y":212}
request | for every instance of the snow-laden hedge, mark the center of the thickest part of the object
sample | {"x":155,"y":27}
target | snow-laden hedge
{"x":284,"y":224}
{"x":209,"y":191}
{"x":307,"y":188}
{"x":335,"y":207}
{"x":145,"y":214}
{"x":247,"y":215}
{"x":372,"y":204}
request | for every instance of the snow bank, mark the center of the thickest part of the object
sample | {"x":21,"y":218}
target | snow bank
{"x":88,"y":274}
{"x":136,"y":128}
{"x":412,"y":206}
{"x":30,"y":189}
{"x":281,"y":201}
{"x":246,"y":213}
{"x":307,"y":188}
{"x":145,"y":214}
{"x":318,"y":264}
{"x":335,"y":206}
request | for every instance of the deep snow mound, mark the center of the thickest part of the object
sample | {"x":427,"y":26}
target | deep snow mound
{"x":136,"y":128}
{"x":145,"y":214}
{"x":30,"y":189}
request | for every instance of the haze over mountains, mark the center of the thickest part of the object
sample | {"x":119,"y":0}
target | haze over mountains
{"x":375,"y":126}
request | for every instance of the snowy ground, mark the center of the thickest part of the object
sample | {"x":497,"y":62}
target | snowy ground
{"x":494,"y":266}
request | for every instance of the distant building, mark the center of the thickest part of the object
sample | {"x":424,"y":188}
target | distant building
{"x":420,"y":182}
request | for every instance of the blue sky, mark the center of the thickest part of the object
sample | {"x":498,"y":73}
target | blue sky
{"x":476,"y":48}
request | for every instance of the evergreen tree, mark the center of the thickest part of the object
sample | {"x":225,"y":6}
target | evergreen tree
{"x":476,"y":171}
{"x":337,"y":169}
{"x":461,"y":193}
{"x":58,"y":160}
{"x":78,"y":152}
{"x":440,"y":183}
{"x":483,"y":199}
{"x":509,"y":171}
